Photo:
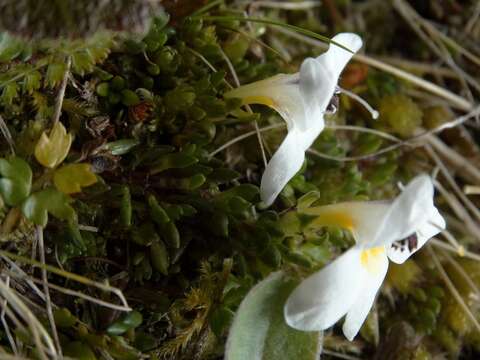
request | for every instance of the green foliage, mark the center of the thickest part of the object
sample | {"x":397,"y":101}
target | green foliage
{"x":259,"y":331}
{"x":38,"y":205}
{"x":16,"y":180}
{"x":129,"y":321}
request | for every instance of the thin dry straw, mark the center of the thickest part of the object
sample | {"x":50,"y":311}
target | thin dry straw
{"x":48,"y":302}
{"x":72,"y":276}
{"x":61,"y":92}
{"x":453,"y":290}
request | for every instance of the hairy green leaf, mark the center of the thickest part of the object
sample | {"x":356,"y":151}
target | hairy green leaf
{"x":259,"y":331}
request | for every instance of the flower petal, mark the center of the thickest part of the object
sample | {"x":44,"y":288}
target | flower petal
{"x":336,"y":58}
{"x":324,"y":297}
{"x":280,"y":92}
{"x":319,"y":77}
{"x":283,"y":165}
{"x":317,"y":86}
{"x":426,"y":231}
{"x":361,"y":218}
{"x":361,"y":307}
{"x":408,"y":212}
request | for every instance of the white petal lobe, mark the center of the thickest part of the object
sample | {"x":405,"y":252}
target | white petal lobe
{"x":284,"y":164}
{"x":361,"y":307}
{"x":429,"y":229}
{"x":336,"y":58}
{"x":410,"y":210}
{"x":317,"y":86}
{"x":324,"y":297}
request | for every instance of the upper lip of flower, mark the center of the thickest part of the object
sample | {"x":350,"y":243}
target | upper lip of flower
{"x":349,"y":284}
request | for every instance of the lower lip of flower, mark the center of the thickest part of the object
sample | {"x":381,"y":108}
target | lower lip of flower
{"x":371,"y":258}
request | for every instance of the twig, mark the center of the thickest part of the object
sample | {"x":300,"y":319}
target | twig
{"x":48,"y":302}
{"x":71,"y":292}
{"x":471,"y":190}
{"x":459,"y":210}
{"x":416,"y":22}
{"x":36,"y":328}
{"x":469,"y":55}
{"x":464,"y":168}
{"x":452,"y":289}
{"x":244,"y":136}
{"x":61,"y":93}
{"x":281,"y":125}
{"x":72,"y":276}
{"x":463,"y":274}
{"x":6,"y":134}
{"x":17,"y":269}
{"x":467,"y":254}
{"x":473,"y":19}
{"x":12,"y":342}
{"x":453,"y":184}
{"x":398,"y":143}
{"x":417,"y":66}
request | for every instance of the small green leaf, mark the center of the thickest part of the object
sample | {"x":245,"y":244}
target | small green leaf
{"x":157,"y":213}
{"x":64,"y":318}
{"x":247,"y":191}
{"x":82,"y":62}
{"x":37,"y":206}
{"x":129,"y":321}
{"x":159,"y":256}
{"x":307,"y":200}
{"x":259,"y":331}
{"x":145,"y":234}
{"x":9,"y":93}
{"x":171,"y":235}
{"x":32,"y":81}
{"x":220,"y":320}
{"x":10,"y":47}
{"x":55,"y":73}
{"x":16,"y":181}
{"x":79,"y":350}
{"x":70,"y":178}
{"x":121,"y":147}
{"x":129,"y":97}
{"x":173,"y":161}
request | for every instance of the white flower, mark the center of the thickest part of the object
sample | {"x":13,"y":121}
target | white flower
{"x":301,"y":99}
{"x":382,"y":230}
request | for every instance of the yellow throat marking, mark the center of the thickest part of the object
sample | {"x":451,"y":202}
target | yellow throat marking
{"x":371,"y":258}
{"x":335,"y":218}
{"x":265,"y":100}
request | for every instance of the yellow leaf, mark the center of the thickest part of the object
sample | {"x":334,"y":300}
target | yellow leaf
{"x":71,"y":178}
{"x":51,"y":150}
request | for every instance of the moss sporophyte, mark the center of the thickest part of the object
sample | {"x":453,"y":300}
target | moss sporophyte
{"x":302,"y":99}
{"x":382,"y":230}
